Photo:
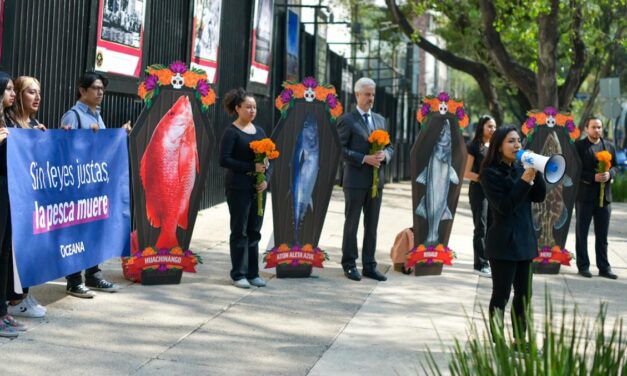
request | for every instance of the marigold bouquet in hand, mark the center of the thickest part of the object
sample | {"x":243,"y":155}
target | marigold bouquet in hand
{"x":264,"y":150}
{"x":604,"y":159}
{"x":378,"y":139}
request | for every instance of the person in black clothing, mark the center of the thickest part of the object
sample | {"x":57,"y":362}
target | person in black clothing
{"x":477,"y":150}
{"x":588,"y":200}
{"x":511,"y":242}
{"x":239,"y":160}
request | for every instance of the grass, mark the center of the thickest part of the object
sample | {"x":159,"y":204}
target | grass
{"x":619,"y":187}
{"x":571,"y":345}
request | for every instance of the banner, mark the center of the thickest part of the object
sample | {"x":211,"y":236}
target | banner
{"x":70,"y":200}
{"x":292,"y":39}
{"x":120,"y":36}
{"x":261,"y":56}
{"x":206,"y":37}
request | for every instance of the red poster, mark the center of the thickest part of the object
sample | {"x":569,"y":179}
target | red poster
{"x":262,"y":42}
{"x":206,"y":37}
{"x":120,"y":36}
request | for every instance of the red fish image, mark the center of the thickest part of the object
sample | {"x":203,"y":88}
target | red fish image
{"x":168,"y":171}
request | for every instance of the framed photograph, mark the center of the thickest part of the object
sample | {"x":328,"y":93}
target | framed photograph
{"x":261,"y":57}
{"x":120,"y":36}
{"x":291,"y":51}
{"x":206,"y":36}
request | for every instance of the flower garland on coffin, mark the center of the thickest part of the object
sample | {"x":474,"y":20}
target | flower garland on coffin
{"x":442,"y":104}
{"x":310,"y":90}
{"x":159,"y":260}
{"x":553,"y":255}
{"x":550,"y":118}
{"x":178,"y":76}
{"x":295,"y":255}
{"x":433,"y":254}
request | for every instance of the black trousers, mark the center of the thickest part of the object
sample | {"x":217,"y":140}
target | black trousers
{"x":481,"y":220}
{"x":245,"y":233}
{"x":5,"y":243}
{"x":586,"y":211}
{"x":91,"y":274}
{"x":506,"y":274}
{"x":358,"y":200}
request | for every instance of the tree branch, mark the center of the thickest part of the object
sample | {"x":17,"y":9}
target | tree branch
{"x":522,"y":77}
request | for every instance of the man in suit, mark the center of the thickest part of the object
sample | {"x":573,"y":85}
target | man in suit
{"x":588,"y":196}
{"x":354,"y":129}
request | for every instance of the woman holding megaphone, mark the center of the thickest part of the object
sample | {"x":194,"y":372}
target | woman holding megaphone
{"x":511,"y":242}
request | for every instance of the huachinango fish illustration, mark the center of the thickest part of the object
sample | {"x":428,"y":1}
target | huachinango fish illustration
{"x":305,"y":166}
{"x":437,"y":178}
{"x":552,"y":213}
{"x":168,"y":171}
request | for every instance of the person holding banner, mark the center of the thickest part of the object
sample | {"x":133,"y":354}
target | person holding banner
{"x":239,"y":160}
{"x":354,"y":129}
{"x":477,"y":149}
{"x":9,"y":327}
{"x":85,"y":114}
{"x":26,"y":105}
{"x":590,"y":204}
{"x":511,"y":242}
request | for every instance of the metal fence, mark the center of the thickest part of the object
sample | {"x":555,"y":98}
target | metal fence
{"x":54,"y":40}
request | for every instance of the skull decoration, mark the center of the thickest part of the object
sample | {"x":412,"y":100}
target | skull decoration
{"x":309,"y":95}
{"x":550,"y":121}
{"x":177,"y":81}
{"x":443,"y":108}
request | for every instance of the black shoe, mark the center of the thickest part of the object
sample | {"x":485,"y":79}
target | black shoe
{"x":585,"y":273}
{"x":352,"y":273}
{"x":79,"y":291}
{"x":102,"y":285}
{"x":374,"y":274}
{"x":608,"y":274}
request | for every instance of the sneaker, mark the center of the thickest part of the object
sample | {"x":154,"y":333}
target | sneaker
{"x":257,"y":281}
{"x":25,"y":309}
{"x":484,"y":272}
{"x":79,"y":291}
{"x":13,"y":323}
{"x":241,"y":283}
{"x":33,"y":302}
{"x":6,"y":331}
{"x":102,"y":285}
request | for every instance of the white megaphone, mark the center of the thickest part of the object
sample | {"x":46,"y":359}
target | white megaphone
{"x":553,"y":167}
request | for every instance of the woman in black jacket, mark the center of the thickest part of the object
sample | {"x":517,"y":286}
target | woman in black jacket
{"x":239,"y":160}
{"x":511,"y":242}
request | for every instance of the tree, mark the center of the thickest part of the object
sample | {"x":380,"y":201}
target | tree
{"x":537,"y":50}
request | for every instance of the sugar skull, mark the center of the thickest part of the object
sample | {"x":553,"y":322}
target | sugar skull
{"x":443,"y":108}
{"x":310,"y":94}
{"x":177,"y":81}
{"x":550,"y":121}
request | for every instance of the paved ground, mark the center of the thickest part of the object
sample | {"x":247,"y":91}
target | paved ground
{"x":325,"y":325}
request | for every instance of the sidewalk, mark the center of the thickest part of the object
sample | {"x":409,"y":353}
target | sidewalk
{"x":325,"y":325}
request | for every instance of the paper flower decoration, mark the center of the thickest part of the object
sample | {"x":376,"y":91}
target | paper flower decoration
{"x":442,"y":104}
{"x":310,"y":90}
{"x":552,"y":119}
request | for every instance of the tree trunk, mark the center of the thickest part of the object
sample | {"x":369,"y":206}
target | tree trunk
{"x":547,"y":58}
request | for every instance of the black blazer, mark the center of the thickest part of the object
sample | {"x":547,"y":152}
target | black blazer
{"x":354,"y":135}
{"x":589,"y":190}
{"x":511,"y":235}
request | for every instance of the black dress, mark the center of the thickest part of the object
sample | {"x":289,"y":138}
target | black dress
{"x":478,"y":206}
{"x":239,"y":160}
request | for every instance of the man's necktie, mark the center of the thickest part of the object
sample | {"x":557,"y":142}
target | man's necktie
{"x":367,"y":119}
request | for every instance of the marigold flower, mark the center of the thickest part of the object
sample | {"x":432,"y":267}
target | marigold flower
{"x":141,"y":91}
{"x":191,"y":79}
{"x":379,"y":137}
{"x":605,"y":157}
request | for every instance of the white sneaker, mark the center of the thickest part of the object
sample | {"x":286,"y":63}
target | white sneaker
{"x":258,"y":282}
{"x":33,"y":302}
{"x":25,"y":309}
{"x":484,"y":272}
{"x":241,"y":283}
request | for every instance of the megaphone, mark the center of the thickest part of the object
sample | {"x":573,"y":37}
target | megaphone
{"x":553,"y":167}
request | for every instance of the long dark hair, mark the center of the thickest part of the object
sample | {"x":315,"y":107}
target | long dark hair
{"x":5,"y":115}
{"x":494,"y":155}
{"x":480,"y":126}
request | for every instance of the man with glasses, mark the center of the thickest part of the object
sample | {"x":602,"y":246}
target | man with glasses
{"x":85,"y":114}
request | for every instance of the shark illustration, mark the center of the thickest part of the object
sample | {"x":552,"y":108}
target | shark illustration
{"x":437,"y":178}
{"x":305,"y":166}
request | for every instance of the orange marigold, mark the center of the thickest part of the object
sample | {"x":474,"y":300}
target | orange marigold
{"x":379,"y":137}
{"x":141,"y":91}
{"x":540,"y":117}
{"x":191,"y":79}
{"x":561,"y":119}
{"x":273,"y":154}
{"x":454,"y":105}
{"x":209,"y":99}
{"x":307,"y":248}
{"x":337,"y":111}
{"x":284,"y":247}
{"x":278,"y":103}
{"x":605,"y":157}
{"x":321,"y":93}
{"x":434,"y":103}
{"x":165,"y":76}
{"x":574,"y":135}
{"x":464,"y":122}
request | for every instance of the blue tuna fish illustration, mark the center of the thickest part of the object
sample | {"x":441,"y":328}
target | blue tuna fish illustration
{"x":437,"y":178}
{"x":305,"y":166}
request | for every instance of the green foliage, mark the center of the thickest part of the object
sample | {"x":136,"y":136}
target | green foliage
{"x":619,"y":187}
{"x":570,"y":346}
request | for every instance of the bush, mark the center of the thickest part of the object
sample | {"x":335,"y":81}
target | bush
{"x":619,"y":187}
{"x":569,"y":347}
